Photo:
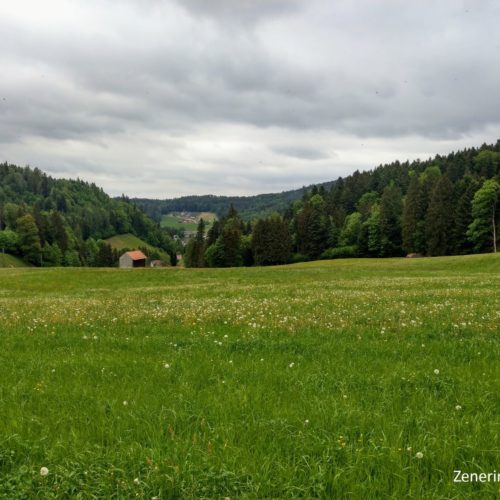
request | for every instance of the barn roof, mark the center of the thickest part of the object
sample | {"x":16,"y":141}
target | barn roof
{"x":136,"y":255}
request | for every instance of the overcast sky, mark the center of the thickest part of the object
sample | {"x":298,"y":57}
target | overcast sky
{"x":163,"y":98}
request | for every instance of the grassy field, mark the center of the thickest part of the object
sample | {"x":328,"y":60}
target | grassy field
{"x":175,"y":221}
{"x":7,"y":260}
{"x":345,"y":379}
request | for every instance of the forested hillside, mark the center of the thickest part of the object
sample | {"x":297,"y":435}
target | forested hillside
{"x":447,"y":205}
{"x":442,"y":206}
{"x":249,"y":207}
{"x":52,"y":222}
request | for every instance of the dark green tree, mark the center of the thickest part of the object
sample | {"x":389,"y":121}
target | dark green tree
{"x":194,"y":256}
{"x":390,"y":221}
{"x":271,"y":241}
{"x":439,"y":218}
{"x":483,"y":230}
{"x":29,"y":241}
{"x":462,"y":218}
{"x":413,"y":217}
{"x":51,"y":255}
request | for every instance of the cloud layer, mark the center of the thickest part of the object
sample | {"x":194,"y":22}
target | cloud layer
{"x":164,"y":98}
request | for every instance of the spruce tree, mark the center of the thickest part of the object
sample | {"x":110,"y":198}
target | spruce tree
{"x":413,"y":213}
{"x":439,"y":218}
{"x":462,"y":219}
{"x":390,"y":222}
{"x":271,"y":241}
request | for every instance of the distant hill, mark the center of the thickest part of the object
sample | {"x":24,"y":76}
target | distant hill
{"x":249,"y":207}
{"x":7,"y":260}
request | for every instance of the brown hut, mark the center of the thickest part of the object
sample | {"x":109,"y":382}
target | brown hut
{"x":133,"y":259}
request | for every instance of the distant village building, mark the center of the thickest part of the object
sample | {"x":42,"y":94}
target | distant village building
{"x":133,"y":259}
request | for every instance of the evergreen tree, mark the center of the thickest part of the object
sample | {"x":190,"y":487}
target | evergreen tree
{"x":439,"y":218}
{"x":465,"y":191}
{"x":194,"y":255}
{"x":313,"y":227}
{"x":230,"y":240}
{"x":373,"y":227}
{"x":58,"y":231}
{"x":413,"y":214}
{"x":390,"y":222}
{"x":213,"y":233}
{"x":271,"y":241}
{"x":105,"y":256}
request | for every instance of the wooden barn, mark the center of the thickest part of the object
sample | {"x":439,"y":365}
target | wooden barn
{"x":134,"y":258}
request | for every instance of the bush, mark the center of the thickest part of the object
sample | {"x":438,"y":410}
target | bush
{"x":340,"y":252}
{"x":298,"y":257}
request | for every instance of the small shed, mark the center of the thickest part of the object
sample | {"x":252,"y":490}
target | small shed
{"x":133,"y":259}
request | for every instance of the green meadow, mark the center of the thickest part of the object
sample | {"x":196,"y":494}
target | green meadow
{"x":334,"y":379}
{"x":175,"y":221}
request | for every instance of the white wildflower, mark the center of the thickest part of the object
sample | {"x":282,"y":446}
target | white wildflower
{"x":44,"y":471}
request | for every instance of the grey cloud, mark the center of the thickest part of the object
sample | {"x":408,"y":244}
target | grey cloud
{"x":301,"y":152}
{"x":157,"y":69}
{"x":241,"y":11}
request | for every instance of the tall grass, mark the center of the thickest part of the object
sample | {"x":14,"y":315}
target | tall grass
{"x":325,"y":379}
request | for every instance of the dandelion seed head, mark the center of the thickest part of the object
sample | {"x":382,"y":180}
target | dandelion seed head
{"x":44,"y":471}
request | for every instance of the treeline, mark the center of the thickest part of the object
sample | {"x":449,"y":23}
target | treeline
{"x":443,"y":206}
{"x":248,"y":207}
{"x":53,"y":222}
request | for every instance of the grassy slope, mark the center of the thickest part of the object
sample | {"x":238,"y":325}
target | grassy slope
{"x":307,"y":380}
{"x":127,"y":241}
{"x":7,"y":260}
